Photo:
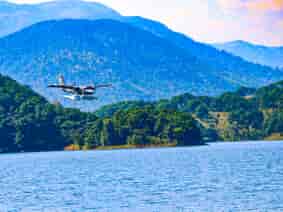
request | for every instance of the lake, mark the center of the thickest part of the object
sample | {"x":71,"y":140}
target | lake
{"x":244,"y":176}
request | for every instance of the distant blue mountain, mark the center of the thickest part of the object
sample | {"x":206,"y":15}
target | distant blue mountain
{"x":140,"y":64}
{"x":233,"y":68}
{"x":270,"y":56}
{"x":144,"y":58}
{"x":14,"y":17}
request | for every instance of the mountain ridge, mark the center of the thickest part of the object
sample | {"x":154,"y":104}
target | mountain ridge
{"x":155,"y":27}
{"x":204,"y":52}
{"x":235,"y":42}
{"x":14,"y":17}
{"x":149,"y":68}
{"x":256,"y":53}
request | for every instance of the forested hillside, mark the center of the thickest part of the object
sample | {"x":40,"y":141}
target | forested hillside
{"x":29,"y":123}
{"x":247,"y":114}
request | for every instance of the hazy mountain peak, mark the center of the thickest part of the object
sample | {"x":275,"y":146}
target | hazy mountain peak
{"x":264,"y":55}
{"x":14,"y":17}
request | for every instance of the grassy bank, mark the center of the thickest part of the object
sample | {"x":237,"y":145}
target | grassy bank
{"x":275,"y":137}
{"x":135,"y":146}
{"x":128,"y":146}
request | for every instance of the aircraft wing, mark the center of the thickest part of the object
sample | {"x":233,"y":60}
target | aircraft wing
{"x":103,"y":86}
{"x":63,"y":86}
{"x":96,"y":86}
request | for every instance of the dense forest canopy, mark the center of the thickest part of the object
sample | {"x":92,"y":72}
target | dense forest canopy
{"x":246,"y":114}
{"x":30,"y":123}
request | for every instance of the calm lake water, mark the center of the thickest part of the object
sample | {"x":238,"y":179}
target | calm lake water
{"x":219,"y":177}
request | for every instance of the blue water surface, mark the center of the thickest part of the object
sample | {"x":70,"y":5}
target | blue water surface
{"x":244,"y":176}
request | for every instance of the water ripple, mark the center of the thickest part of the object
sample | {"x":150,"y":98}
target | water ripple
{"x":219,"y":177}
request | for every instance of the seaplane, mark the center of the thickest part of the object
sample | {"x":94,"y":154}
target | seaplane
{"x":78,"y":93}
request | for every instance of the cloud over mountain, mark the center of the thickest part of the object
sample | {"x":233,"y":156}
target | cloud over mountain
{"x":255,"y":5}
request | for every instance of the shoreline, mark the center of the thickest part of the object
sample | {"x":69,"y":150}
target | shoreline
{"x":133,"y":147}
{"x":130,"y":147}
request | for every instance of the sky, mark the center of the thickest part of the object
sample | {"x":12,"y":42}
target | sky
{"x":211,"y":21}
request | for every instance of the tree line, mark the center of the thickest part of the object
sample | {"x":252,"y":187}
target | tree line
{"x":245,"y":114}
{"x":30,"y":123}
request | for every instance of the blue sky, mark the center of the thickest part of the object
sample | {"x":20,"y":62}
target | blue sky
{"x":257,"y":21}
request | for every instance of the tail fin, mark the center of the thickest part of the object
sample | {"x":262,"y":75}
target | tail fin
{"x":61,"y":80}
